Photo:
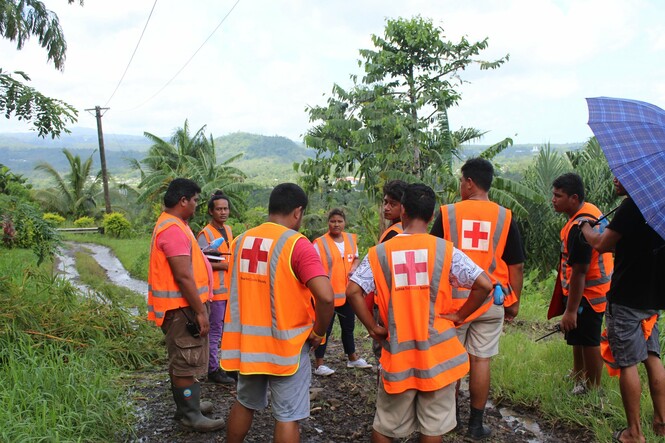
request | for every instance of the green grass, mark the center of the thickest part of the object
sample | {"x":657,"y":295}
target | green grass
{"x":535,"y":374}
{"x":133,"y":253}
{"x":62,"y":356}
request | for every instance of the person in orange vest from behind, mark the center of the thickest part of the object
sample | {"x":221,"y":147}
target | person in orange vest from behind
{"x":217,"y":231}
{"x":179,"y":291}
{"x":487,"y":233}
{"x":585,"y":279}
{"x":413,"y":275}
{"x":634,"y":298}
{"x":339,"y":254}
{"x":280,"y":304}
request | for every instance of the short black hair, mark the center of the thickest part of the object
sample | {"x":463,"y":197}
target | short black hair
{"x":179,"y":188}
{"x":218,"y":195}
{"x":419,"y":201}
{"x":336,"y":211}
{"x":480,"y":171}
{"x":571,"y":184}
{"x":395,"y":189}
{"x":286,"y":197}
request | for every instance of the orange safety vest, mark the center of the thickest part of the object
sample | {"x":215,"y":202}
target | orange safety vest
{"x":220,"y":290}
{"x":336,"y":266}
{"x":163,"y":291}
{"x":397,"y":227}
{"x":597,"y":279}
{"x":270,"y":312}
{"x":480,"y":228}
{"x":413,"y":290}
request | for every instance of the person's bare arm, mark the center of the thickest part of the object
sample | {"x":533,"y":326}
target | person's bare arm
{"x":354,"y":296}
{"x":576,"y":290}
{"x":479,"y":292}
{"x":605,"y":242}
{"x":354,"y":266}
{"x":219,"y":265}
{"x":515,"y":279}
{"x":324,"y":306}
{"x":181,"y":268}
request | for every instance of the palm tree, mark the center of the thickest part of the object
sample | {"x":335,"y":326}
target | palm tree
{"x":193,"y":157}
{"x":74,"y":194}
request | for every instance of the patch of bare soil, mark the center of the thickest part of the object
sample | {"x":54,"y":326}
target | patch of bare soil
{"x":342,"y":410}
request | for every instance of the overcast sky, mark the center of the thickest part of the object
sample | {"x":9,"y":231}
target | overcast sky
{"x":270,"y":59}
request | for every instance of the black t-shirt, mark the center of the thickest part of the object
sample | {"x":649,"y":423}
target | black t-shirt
{"x":579,"y":251}
{"x":638,"y":261}
{"x":389,"y":235}
{"x":513,"y":254}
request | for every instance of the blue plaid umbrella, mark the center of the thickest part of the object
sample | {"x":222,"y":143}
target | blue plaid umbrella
{"x":632,"y":136}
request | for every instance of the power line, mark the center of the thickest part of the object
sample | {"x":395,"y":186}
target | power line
{"x":133,"y":54}
{"x":190,"y":58}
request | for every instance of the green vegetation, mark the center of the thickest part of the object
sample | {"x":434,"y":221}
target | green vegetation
{"x":63,"y":355}
{"x":116,"y":225}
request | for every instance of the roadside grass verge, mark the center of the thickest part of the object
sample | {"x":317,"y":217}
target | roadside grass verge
{"x":133,"y":253}
{"x":534,"y":375}
{"x":62,"y":356}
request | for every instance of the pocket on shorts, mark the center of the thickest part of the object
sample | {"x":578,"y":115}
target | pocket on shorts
{"x":190,"y":349}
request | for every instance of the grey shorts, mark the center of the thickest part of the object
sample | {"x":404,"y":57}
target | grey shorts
{"x":480,"y":336}
{"x":188,"y":356}
{"x":626,"y":337}
{"x":289,"y":394}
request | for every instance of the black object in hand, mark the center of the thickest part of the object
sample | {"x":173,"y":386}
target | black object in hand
{"x":193,"y":328}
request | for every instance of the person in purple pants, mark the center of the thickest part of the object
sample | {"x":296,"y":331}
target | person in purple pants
{"x":214,"y":240}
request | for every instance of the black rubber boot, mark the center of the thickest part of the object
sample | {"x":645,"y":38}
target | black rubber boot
{"x":206,"y":409}
{"x":477,"y":431}
{"x":188,"y":402}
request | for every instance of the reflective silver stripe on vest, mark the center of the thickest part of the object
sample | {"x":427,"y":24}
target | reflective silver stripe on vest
{"x":426,"y":373}
{"x":329,"y":259}
{"x":263,"y":331}
{"x":454,"y":237}
{"x":175,"y":294}
{"x":222,"y":286}
{"x":395,"y":345}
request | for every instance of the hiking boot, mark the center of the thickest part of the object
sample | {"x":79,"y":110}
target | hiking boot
{"x":323,"y":371}
{"x":188,"y":400}
{"x":219,"y":377}
{"x":358,"y":364}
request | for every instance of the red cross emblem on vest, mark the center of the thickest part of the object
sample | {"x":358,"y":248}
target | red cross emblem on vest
{"x":476,"y":235}
{"x":410,"y":268}
{"x":254,"y":255}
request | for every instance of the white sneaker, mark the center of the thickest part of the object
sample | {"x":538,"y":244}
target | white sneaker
{"x":358,"y":364}
{"x":323,"y":371}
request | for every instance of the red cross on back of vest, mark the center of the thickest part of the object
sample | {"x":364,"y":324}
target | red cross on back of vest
{"x":410,"y":268}
{"x":254,"y":255}
{"x":476,"y":235}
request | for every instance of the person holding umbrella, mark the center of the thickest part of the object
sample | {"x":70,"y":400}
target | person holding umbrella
{"x":632,"y":299}
{"x":631,"y":134}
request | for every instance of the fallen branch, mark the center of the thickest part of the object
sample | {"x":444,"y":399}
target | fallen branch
{"x":53,"y":337}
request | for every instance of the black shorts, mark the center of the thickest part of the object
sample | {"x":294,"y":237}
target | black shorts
{"x":589,"y":324}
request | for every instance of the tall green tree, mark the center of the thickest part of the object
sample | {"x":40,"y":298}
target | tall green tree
{"x":191,"y":156}
{"x":393,"y":121}
{"x":20,"y":20}
{"x":74,"y":194}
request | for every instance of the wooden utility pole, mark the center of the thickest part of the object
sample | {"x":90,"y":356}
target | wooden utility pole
{"x":102,"y":157}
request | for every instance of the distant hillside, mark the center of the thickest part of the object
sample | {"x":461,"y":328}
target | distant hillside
{"x":265,"y":160}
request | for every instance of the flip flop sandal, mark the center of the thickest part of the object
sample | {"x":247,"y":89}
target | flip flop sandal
{"x":616,"y":437}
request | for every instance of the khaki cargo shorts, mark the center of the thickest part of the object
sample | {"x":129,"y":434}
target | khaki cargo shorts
{"x":480,"y":336}
{"x":188,"y":356}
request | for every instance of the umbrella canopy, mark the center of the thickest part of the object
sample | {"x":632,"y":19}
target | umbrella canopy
{"x":632,"y":136}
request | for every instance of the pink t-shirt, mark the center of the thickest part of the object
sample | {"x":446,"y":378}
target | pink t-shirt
{"x":173,"y":242}
{"x":305,"y":262}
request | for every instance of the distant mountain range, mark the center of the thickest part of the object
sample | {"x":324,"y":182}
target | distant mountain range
{"x":21,"y":152}
{"x":265,"y":160}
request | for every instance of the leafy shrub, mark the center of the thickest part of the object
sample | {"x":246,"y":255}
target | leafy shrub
{"x":84,"y":222}
{"x":53,"y":219}
{"x":116,"y":225}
